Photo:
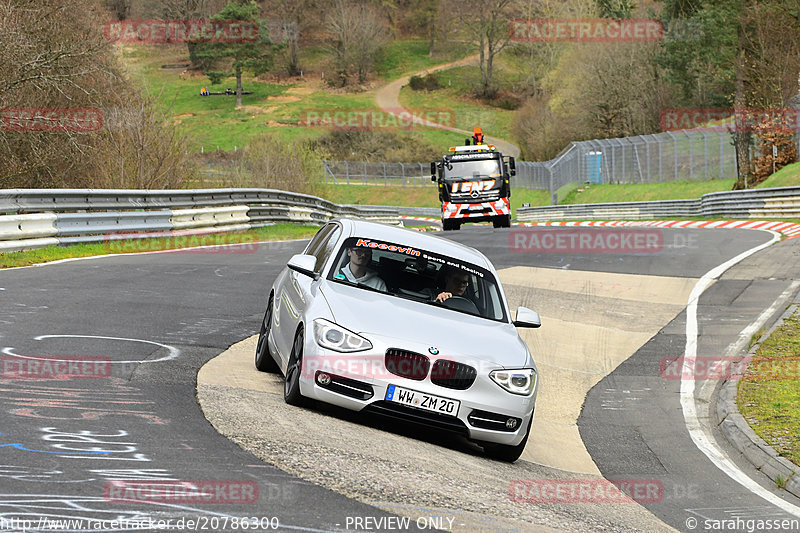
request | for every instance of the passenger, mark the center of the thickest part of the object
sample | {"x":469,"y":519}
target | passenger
{"x":356,"y":270}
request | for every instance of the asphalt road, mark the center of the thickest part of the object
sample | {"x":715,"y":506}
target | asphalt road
{"x":158,"y":318}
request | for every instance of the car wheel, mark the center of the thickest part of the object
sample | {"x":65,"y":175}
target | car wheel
{"x":291,"y":385}
{"x":506,"y":452}
{"x":447,"y":225}
{"x":264,"y":361}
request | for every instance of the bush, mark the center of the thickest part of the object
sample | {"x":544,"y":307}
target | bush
{"x":388,"y":146}
{"x":425,"y":83}
{"x":269,"y":163}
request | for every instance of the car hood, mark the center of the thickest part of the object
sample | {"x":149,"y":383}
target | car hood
{"x":418,"y":326}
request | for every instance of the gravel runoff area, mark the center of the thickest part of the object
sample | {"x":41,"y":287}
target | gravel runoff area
{"x":402,"y":469}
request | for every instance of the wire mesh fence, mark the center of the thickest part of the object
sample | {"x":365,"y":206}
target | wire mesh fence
{"x":683,"y":155}
{"x":364,"y":173}
{"x":670,"y":156}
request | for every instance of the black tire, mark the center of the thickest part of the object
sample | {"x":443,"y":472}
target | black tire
{"x":502,"y":221}
{"x":263,"y":360}
{"x":291,"y":385}
{"x":506,"y":452}
{"x":447,"y":225}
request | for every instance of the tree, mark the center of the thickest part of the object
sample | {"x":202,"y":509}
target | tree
{"x":358,"y":35}
{"x":487,"y":25}
{"x":425,"y":14}
{"x":616,"y":9}
{"x":222,"y":60}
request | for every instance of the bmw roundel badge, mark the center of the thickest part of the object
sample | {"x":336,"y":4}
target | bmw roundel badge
{"x":433,"y":350}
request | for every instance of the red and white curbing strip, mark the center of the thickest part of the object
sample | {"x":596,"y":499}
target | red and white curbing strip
{"x":787,"y":229}
{"x":438,"y":227}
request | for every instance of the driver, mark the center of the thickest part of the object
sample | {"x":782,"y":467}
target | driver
{"x":455,"y":284}
{"x":356,"y":270}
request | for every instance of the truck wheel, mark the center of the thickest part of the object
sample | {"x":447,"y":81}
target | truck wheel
{"x":502,"y":221}
{"x":449,"y":225}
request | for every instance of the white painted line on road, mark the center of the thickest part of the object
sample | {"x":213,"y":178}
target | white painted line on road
{"x":703,"y":439}
{"x":173,"y":352}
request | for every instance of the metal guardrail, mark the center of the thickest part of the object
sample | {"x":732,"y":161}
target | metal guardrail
{"x":41,"y":217}
{"x":779,"y":202}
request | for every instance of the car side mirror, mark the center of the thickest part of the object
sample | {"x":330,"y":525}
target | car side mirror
{"x":304,"y":264}
{"x":512,"y":166}
{"x":527,"y":318}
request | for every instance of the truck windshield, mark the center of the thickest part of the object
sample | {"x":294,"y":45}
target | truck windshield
{"x":486,"y":168}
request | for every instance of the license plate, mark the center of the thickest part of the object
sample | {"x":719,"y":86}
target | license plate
{"x":420,"y":400}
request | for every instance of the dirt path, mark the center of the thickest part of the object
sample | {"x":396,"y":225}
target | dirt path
{"x":388,"y":99}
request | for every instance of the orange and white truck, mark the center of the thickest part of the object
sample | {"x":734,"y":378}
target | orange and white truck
{"x":474,"y":184}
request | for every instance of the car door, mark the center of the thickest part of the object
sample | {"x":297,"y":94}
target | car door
{"x":295,"y":293}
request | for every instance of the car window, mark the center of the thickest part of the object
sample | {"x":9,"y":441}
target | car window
{"x":322,"y":243}
{"x":420,"y":275}
{"x":326,"y":248}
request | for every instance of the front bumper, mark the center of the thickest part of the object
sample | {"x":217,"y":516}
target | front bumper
{"x":363,"y":387}
{"x":476,"y":211}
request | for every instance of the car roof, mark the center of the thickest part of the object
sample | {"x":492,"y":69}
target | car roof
{"x":431,"y":243}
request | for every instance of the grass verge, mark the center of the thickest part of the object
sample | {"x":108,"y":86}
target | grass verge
{"x":641,"y":192}
{"x":220,"y":241}
{"x":769,"y":392}
{"x":412,"y":196}
{"x":785,"y":177}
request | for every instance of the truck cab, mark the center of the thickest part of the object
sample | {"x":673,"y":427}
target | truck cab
{"x":474,"y":186}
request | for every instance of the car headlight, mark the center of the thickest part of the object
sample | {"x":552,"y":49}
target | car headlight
{"x":522,"y":381}
{"x":337,"y":338}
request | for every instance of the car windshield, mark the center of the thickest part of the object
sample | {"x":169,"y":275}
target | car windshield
{"x":486,"y":168}
{"x":419,"y":275}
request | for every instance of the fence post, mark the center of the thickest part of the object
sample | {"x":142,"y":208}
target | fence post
{"x":421,"y":176}
{"x":721,"y":155}
{"x":385,"y":183}
{"x":403,"y":166}
{"x":705,"y":151}
{"x":347,"y":171}
{"x":365,"y":174}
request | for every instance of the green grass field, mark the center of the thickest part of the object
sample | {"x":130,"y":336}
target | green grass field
{"x":454,"y":97}
{"x":282,"y":109}
{"x":646,"y":191}
{"x":769,"y":393}
{"x":412,"y":196}
{"x":278,"y":232}
{"x":785,"y":177}
{"x":411,"y":55}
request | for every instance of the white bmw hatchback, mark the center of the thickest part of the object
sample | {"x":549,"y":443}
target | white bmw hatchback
{"x":409,"y":325}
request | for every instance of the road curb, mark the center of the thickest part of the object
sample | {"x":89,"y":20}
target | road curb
{"x":742,"y":437}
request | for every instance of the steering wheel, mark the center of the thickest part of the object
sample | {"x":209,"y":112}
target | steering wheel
{"x":459,"y":303}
